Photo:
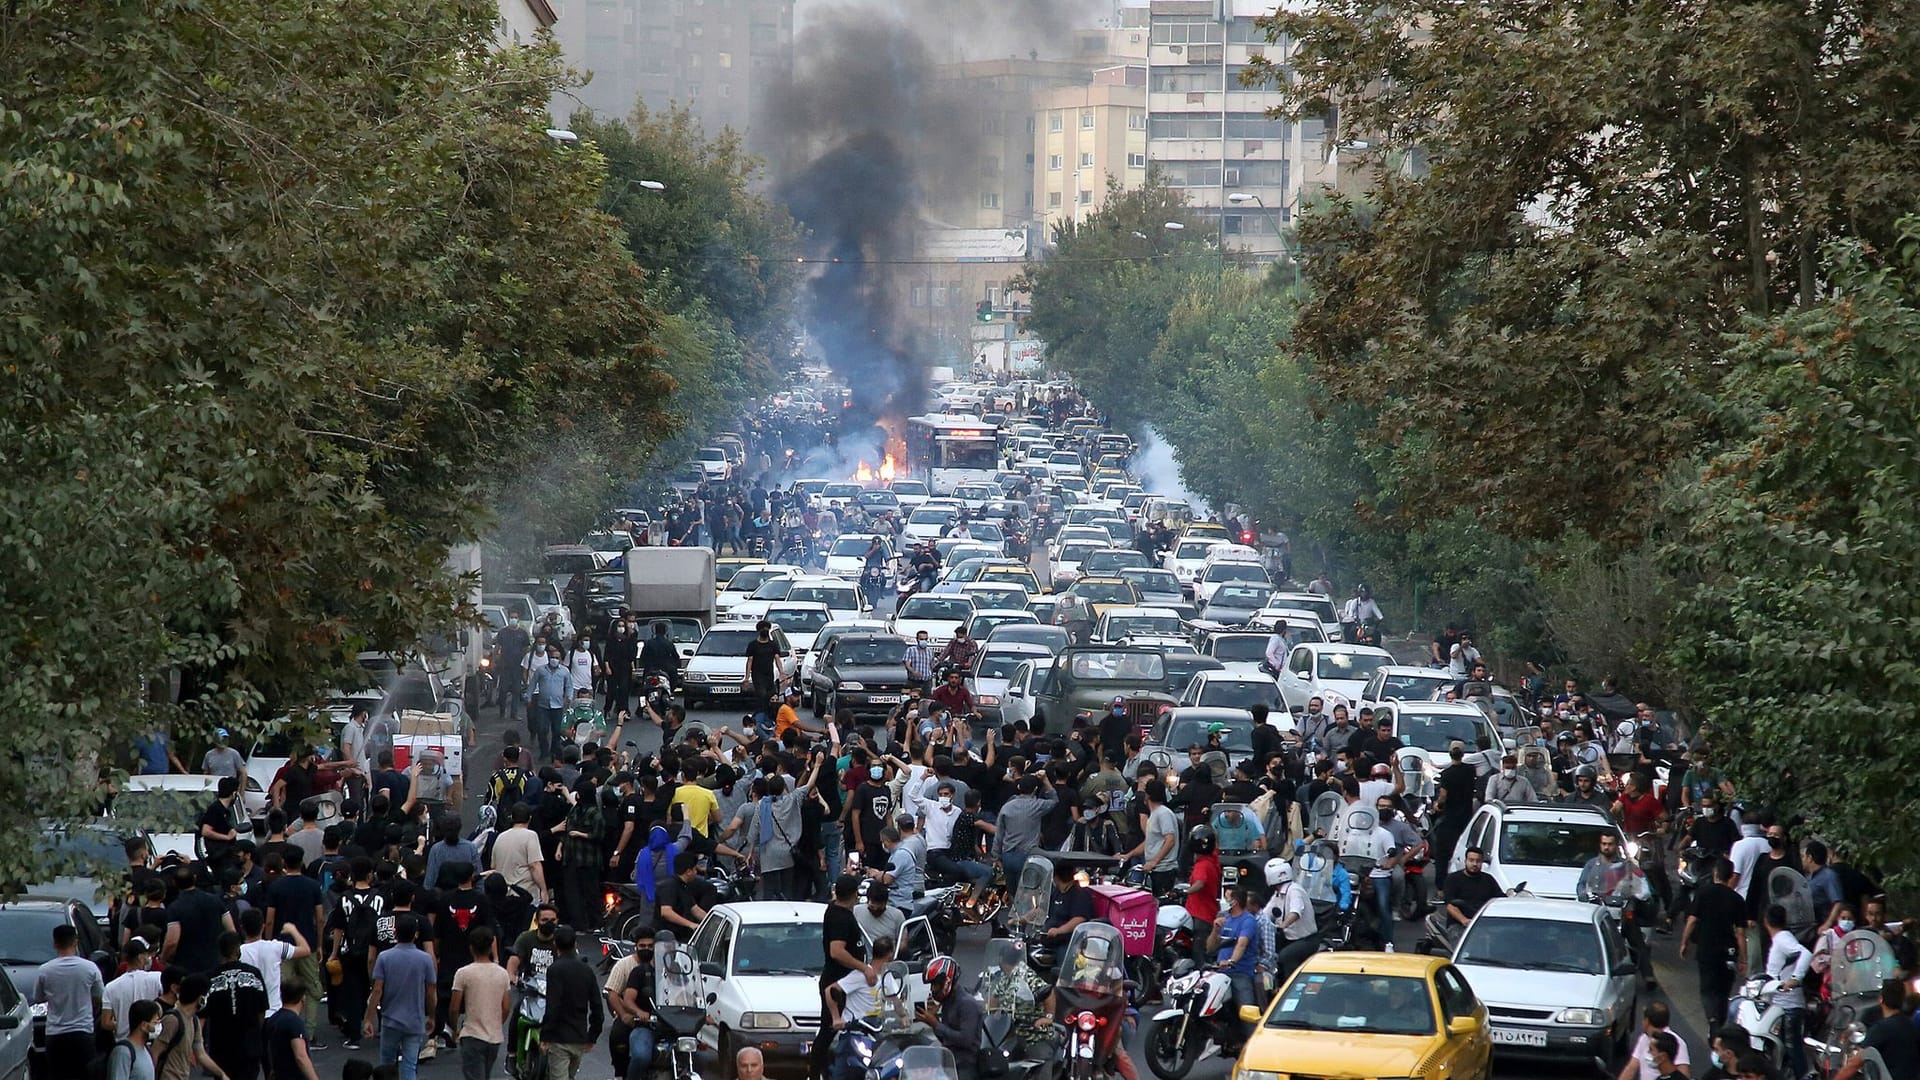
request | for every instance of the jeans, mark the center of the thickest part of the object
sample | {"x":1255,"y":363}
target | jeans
{"x":943,"y":862}
{"x":1793,"y":1031}
{"x":563,"y":1059}
{"x":403,"y":1047}
{"x":639,"y":1052}
{"x":1383,"y":906}
{"x":1246,"y":992}
{"x":542,"y":725}
{"x":477,"y":1058}
{"x":830,"y":847}
{"x":1012,"y":862}
{"x":778,"y":884}
{"x":619,"y":692}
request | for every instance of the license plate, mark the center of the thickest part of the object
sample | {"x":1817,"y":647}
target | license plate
{"x":726,"y":688}
{"x":1517,"y":1036}
{"x":885,"y":699}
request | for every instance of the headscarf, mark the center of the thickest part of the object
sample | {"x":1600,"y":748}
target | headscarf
{"x":661,"y":851}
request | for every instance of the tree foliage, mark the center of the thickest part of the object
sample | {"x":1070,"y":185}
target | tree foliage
{"x":1533,"y":314}
{"x":1800,"y":638}
{"x":291,"y":293}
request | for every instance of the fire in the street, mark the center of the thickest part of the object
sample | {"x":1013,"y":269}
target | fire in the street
{"x":865,"y":474}
{"x":886,"y":469}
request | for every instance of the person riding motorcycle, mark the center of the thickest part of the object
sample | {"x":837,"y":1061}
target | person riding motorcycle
{"x":956,"y":1019}
{"x":1586,"y":790}
{"x":1611,"y":875}
{"x":1291,"y":914}
{"x":1011,"y":989}
{"x":960,"y":650}
{"x":1360,"y":610}
{"x":657,"y":655}
{"x":1466,"y":893}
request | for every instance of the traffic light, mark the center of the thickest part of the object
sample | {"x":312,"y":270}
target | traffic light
{"x":984,"y":310}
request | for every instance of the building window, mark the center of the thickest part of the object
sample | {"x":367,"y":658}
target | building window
{"x":993,"y":292}
{"x":1086,"y":198}
{"x":989,"y":200}
{"x":1230,"y":225}
{"x":1136,"y":119}
{"x":919,"y":297}
{"x":1056,"y":122}
{"x":1053,"y":200}
{"x":1184,"y":31}
{"x":990,"y":166}
{"x":1136,"y":161}
{"x":939,"y":298}
{"x":1053,"y":162}
{"x":955,"y":295}
{"x":726,"y":60}
{"x":1029,"y":203}
{"x":1086,"y":119}
{"x":1183,"y":127}
{"x":1086,"y":160}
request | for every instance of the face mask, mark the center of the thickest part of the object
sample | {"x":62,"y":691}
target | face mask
{"x":1119,"y":710}
{"x":920,"y":641}
{"x":546,"y":929}
{"x":1716,"y":1058}
{"x":1507,"y":773}
{"x":1845,"y":925}
{"x":1713,"y":812}
{"x":946,"y":802}
{"x":1776,"y":842}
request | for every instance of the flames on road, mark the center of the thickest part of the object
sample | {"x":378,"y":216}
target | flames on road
{"x":867,"y":474}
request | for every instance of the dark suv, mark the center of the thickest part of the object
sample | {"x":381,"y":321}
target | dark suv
{"x":862,"y":672}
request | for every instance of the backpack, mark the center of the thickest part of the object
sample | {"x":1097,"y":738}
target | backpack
{"x":362,"y":913}
{"x":185,"y":1035}
{"x":508,"y":786}
{"x":101,"y":1068}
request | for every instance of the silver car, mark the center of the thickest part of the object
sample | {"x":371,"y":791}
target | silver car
{"x":1557,"y":979}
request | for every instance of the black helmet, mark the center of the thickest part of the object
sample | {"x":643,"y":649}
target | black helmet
{"x":1201,"y":840}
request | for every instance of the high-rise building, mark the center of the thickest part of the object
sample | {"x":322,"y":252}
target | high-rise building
{"x":725,"y":60}
{"x":1211,"y":136}
{"x":1001,"y":93}
{"x":1085,"y":136}
{"x":522,"y":20}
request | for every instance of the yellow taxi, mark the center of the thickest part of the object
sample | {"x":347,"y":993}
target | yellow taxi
{"x":724,"y":569}
{"x":1105,"y":593}
{"x":1365,"y":1015}
{"x":1208,"y":530}
{"x":1012,"y":573}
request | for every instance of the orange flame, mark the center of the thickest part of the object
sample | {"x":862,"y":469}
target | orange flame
{"x":863,"y":474}
{"x":887,"y":469}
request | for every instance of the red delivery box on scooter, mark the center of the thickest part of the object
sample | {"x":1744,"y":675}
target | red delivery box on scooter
{"x":1131,"y":911}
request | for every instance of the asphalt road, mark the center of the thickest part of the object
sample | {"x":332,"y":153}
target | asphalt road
{"x":1676,"y":977}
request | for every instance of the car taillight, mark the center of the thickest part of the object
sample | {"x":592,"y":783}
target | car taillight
{"x":610,"y":902}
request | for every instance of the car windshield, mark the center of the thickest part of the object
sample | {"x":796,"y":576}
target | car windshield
{"x":1240,"y":596}
{"x":834,"y":596}
{"x":1412,"y":687}
{"x":1355,"y":1004}
{"x":1434,"y":732}
{"x":938,"y":515}
{"x":1358,"y":667}
{"x":1142,"y":624}
{"x":1159,"y":581}
{"x":934,"y":607}
{"x":871,"y":651}
{"x":575,"y":563}
{"x":1074,"y":553}
{"x":161,"y":810}
{"x":995,"y":665}
{"x":799,"y":620}
{"x":543,"y":592}
{"x":1193,"y":549}
{"x":1008,"y":597}
{"x":982,"y":625}
{"x":985,"y":530}
{"x":724,"y":643}
{"x":1185,"y":731}
{"x":1534,"y":945}
{"x":1550,"y":843}
{"x":615,"y":542}
{"x":1105,"y":592}
{"x":1019,"y":575}
{"x":683,"y":631}
{"x":1240,"y":647}
{"x":1114,"y":560}
{"x":908,"y":487}
{"x":82,"y":852}
{"x":853,"y":546}
{"x":26,"y":934}
{"x":749,"y":578}
{"x":840,"y":491}
{"x":777,"y":949}
{"x":1236,"y":571}
{"x":1117,"y":667}
{"x":773,"y":589}
{"x":1238,"y":694}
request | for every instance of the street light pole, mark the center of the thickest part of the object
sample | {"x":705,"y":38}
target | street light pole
{"x":1279,"y":227}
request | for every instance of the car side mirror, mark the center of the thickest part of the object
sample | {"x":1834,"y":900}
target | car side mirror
{"x":1463,"y":1025}
{"x":1249,"y":1014}
{"x":9,"y":1022}
{"x":711,"y":968}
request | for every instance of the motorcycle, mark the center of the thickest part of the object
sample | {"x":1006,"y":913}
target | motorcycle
{"x":1690,"y":871}
{"x":1195,"y":1023}
{"x":526,"y":1057}
{"x":1004,"y":994}
{"x":1753,"y":1009}
{"x":677,"y":1011}
{"x":1441,"y":935}
{"x":1027,"y":915}
{"x":1859,"y":963}
{"x":899,"y":1033}
{"x":1090,"y":1000}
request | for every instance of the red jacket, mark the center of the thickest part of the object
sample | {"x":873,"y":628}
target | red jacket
{"x":1203,"y":894}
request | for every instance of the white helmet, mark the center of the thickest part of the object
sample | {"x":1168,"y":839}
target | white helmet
{"x":1623,"y":730}
{"x":1279,"y":872}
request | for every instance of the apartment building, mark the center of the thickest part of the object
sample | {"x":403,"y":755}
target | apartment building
{"x":1211,"y":136}
{"x":1084,"y":137}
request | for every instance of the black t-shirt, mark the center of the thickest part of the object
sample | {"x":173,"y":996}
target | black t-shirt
{"x":136,"y":917}
{"x":1457,"y":781}
{"x":1715,"y":834}
{"x":283,"y":1029}
{"x":839,"y":924}
{"x":459,"y":911}
{"x":235,"y":1005}
{"x":874,"y":803}
{"x":219,"y":816}
{"x":1241,"y":791}
{"x":1469,"y":891}
{"x":680,"y":897}
{"x":1718,"y":910}
{"x":762,"y":659}
{"x":535,"y":954}
{"x":300,"y":785}
{"x":293,"y":898}
{"x":1899,"y":1044}
{"x":1074,"y":903}
{"x":1113,"y":734}
{"x":198,"y":911}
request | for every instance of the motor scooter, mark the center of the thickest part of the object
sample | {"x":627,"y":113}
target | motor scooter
{"x":1858,"y":964}
{"x":526,"y":1058}
{"x":1007,"y":991}
{"x":677,"y":1011}
{"x":1753,"y":1009}
{"x":1027,"y":916}
{"x":899,"y":1032}
{"x":1090,"y":1000}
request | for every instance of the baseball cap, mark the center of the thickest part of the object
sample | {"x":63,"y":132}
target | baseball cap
{"x":1118,"y":699}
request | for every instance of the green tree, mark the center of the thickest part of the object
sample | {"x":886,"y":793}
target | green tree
{"x":1583,"y":197}
{"x":1799,"y":639}
{"x":291,"y":294}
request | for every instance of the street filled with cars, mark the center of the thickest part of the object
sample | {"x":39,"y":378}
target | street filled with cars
{"x":999,"y":757}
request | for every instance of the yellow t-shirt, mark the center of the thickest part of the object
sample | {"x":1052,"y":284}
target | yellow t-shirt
{"x":702,"y":806}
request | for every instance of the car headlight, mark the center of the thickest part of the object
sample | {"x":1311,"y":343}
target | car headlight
{"x":989,"y":699}
{"x":764,"y":1021}
{"x":1584,"y":1017}
{"x":853,"y":686}
{"x":1633,"y":849}
{"x":696,"y":676}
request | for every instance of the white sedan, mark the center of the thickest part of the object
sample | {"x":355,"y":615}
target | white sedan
{"x":1321,"y":668}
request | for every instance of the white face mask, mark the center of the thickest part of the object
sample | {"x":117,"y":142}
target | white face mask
{"x":1508,"y":773}
{"x":946,"y":802}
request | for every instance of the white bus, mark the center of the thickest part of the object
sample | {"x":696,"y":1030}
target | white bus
{"x":946,"y":449}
